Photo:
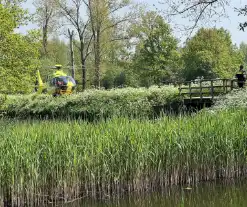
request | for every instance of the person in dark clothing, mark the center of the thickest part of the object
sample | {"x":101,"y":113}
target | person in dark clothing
{"x":241,"y":76}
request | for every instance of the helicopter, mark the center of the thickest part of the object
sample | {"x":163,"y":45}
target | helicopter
{"x":59,"y":84}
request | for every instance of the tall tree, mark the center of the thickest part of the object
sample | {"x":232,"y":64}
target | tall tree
{"x":210,"y":53}
{"x":45,"y":17}
{"x":156,"y":55}
{"x":72,"y":57}
{"x":72,"y":11}
{"x":105,"y":19}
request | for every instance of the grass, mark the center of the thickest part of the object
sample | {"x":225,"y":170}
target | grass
{"x":49,"y":160}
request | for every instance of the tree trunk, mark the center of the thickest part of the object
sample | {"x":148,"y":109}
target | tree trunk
{"x":71,"y":34}
{"x":45,"y":37}
{"x":83,"y":64}
{"x":84,"y":80}
{"x":97,"y":59}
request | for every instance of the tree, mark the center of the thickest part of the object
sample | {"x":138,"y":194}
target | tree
{"x":20,"y":15}
{"x":18,"y":54}
{"x":243,"y":49}
{"x":106,"y":20}
{"x":46,"y":14}
{"x":210,"y":53}
{"x":71,"y":10}
{"x":156,"y":54}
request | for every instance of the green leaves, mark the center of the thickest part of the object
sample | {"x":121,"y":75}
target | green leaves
{"x":156,"y":51}
{"x":210,"y":53}
{"x":18,"y":55}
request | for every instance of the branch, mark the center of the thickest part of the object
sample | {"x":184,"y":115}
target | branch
{"x":195,"y":5}
{"x":84,"y":28}
{"x":87,"y":50}
{"x":198,"y":18}
{"x":66,"y":12}
{"x":115,"y":24}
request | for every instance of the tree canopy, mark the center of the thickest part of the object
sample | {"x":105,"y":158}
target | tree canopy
{"x":210,"y":53}
{"x":18,"y":54}
{"x":116,"y":44}
{"x":156,"y":54}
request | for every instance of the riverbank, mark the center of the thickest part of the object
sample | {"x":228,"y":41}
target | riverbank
{"x":71,"y":159}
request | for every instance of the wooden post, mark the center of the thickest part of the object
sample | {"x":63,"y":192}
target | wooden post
{"x":179,"y":88}
{"x":212,"y":89}
{"x":201,"y":90}
{"x":71,"y":34}
{"x":224,"y":86}
{"x":232,"y":84}
{"x":190,"y":90}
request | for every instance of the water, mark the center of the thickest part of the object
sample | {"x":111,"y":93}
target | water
{"x":215,"y":194}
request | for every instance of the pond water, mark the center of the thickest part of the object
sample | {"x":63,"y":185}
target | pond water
{"x":230,"y":193}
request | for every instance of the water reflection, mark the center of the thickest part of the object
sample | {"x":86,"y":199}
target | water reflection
{"x":228,"y":193}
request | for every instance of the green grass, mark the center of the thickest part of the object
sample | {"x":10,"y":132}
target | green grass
{"x":72,"y":159}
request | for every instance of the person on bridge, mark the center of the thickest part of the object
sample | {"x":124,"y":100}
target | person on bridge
{"x":241,"y":76}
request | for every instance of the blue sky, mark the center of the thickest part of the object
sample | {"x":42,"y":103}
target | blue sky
{"x":231,"y":23}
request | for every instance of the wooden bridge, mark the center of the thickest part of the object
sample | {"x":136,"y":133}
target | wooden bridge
{"x":205,"y":91}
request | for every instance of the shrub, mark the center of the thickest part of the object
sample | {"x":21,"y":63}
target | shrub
{"x":94,"y":103}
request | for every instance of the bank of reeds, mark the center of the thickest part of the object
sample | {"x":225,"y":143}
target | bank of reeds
{"x":93,"y":104}
{"x":52,"y":161}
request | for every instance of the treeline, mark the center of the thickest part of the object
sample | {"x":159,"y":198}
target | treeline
{"x":116,"y":44}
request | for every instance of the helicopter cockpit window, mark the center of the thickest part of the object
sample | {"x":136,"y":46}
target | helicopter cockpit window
{"x":59,"y":81}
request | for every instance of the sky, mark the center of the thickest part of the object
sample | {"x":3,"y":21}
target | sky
{"x":231,"y":23}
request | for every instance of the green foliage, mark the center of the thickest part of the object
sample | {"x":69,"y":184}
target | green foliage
{"x":156,"y":54}
{"x":210,"y":54}
{"x":117,"y":75}
{"x":18,"y":55}
{"x":236,"y":99}
{"x":94,"y":103}
{"x":57,"y":53}
{"x":243,"y":50}
{"x":63,"y":159}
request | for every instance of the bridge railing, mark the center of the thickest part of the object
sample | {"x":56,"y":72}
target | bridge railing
{"x":206,"y":88}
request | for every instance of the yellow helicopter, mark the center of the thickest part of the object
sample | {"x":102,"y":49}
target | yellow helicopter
{"x":59,"y":84}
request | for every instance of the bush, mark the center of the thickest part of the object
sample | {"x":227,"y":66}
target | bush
{"x":235,"y":99}
{"x":94,"y":103}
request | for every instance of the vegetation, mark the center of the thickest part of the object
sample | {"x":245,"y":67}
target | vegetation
{"x":234,"y":99}
{"x":116,"y":44}
{"x":19,"y":54}
{"x":67,"y":160}
{"x":156,"y":57}
{"x":211,"y":54}
{"x":93,"y":104}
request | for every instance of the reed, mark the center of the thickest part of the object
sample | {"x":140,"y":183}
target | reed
{"x":53,"y":161}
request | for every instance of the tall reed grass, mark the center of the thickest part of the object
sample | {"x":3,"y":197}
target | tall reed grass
{"x":52,"y":161}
